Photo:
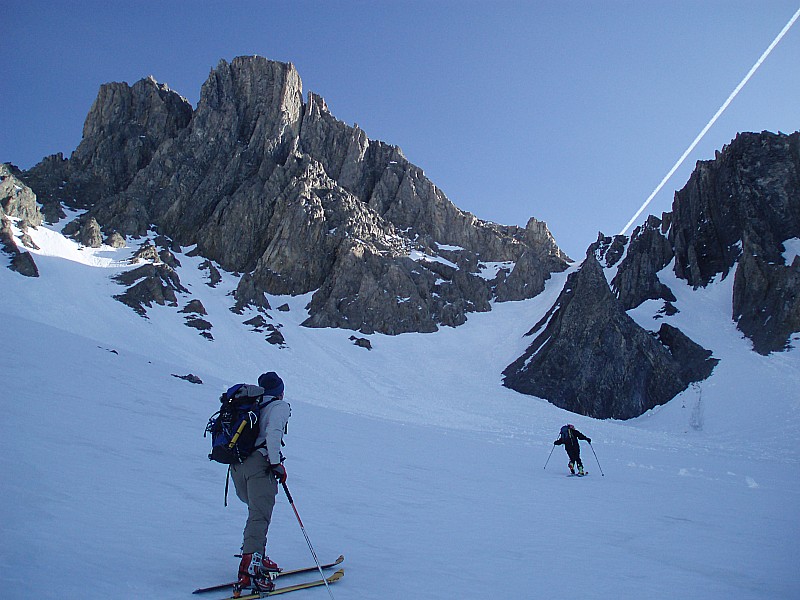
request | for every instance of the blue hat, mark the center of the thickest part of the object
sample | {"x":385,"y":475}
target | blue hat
{"x":272,"y":384}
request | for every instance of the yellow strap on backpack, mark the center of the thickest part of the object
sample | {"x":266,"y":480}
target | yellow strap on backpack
{"x":235,"y":437}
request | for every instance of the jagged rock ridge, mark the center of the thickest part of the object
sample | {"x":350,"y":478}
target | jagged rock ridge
{"x":735,"y":212}
{"x":277,"y":189}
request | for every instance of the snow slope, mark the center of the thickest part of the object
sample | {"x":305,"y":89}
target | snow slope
{"x":411,"y":458}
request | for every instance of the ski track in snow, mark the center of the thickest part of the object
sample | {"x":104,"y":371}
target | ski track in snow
{"x":411,"y":459}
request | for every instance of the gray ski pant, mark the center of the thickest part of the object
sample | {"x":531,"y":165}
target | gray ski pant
{"x":257,"y":487}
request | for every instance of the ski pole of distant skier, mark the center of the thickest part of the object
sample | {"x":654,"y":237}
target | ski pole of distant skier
{"x":305,"y":535}
{"x":598,"y":462}
{"x":548,"y":456}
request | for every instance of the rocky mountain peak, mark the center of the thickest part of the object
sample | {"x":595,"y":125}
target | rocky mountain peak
{"x":281,"y":191}
{"x":252,"y":102}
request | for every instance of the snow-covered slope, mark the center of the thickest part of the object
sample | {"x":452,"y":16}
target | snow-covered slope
{"x":411,"y":458}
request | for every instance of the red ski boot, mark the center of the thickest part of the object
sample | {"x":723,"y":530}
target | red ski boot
{"x":255,"y":572}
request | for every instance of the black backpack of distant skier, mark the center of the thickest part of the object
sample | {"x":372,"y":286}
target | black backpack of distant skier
{"x":234,"y":427}
{"x":565,"y":433}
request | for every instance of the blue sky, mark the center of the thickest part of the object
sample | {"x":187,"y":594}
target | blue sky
{"x":571,"y":112}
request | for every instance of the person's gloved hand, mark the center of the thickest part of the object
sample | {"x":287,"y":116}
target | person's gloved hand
{"x":279,"y":471}
{"x":588,"y":439}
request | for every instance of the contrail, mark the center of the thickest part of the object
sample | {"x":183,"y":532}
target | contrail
{"x":713,"y":120}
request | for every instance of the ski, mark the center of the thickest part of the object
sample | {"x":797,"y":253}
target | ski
{"x":223,"y":586}
{"x":291,"y":588}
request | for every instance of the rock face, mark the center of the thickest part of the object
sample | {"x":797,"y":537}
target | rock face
{"x":591,"y":358}
{"x":766,"y":301}
{"x":750,"y":191}
{"x":148,"y":284}
{"x":17,"y":202}
{"x":21,"y":262}
{"x":738,"y":210}
{"x":735,"y":212}
{"x":648,"y":253}
{"x":278,"y":189}
{"x":86,"y":231}
{"x":122,"y":132}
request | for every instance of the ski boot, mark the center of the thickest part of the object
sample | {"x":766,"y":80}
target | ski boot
{"x":580,"y":470}
{"x":572,"y":467}
{"x":256,"y":572}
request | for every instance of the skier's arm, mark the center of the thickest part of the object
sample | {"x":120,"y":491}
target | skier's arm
{"x":273,"y":434}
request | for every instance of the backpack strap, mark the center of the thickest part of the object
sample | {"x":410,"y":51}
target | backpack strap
{"x":227,"y":482}
{"x":265,"y":403}
{"x":258,"y":407}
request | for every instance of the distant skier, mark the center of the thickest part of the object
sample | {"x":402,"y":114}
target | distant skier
{"x":569,"y":438}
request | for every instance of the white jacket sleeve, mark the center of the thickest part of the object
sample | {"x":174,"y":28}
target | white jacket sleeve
{"x":273,"y":422}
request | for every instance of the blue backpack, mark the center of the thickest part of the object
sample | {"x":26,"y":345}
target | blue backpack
{"x":234,"y":427}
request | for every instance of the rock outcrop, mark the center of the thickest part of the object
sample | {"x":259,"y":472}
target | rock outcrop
{"x":277,"y":189}
{"x":18,"y":203}
{"x":648,"y":253}
{"x":766,"y":301}
{"x":86,"y":231}
{"x":148,"y":284}
{"x":17,"y":200}
{"x":21,"y":262}
{"x":591,"y":358}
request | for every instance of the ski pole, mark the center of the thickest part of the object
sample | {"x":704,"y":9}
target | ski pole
{"x":549,"y":455}
{"x":598,"y":462}
{"x":305,"y":535}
